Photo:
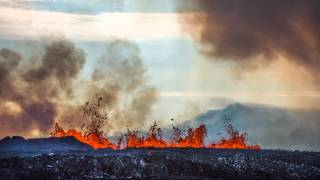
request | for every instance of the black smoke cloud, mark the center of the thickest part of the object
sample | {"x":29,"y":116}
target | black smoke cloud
{"x":257,"y":32}
{"x":47,"y":88}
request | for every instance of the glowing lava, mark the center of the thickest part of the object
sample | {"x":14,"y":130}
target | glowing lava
{"x":194,"y":138}
{"x":235,"y":140}
{"x":94,"y":140}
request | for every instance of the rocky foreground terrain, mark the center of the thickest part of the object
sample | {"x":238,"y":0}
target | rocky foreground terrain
{"x":160,"y":164}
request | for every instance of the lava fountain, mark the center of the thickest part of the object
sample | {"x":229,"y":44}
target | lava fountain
{"x":193,"y":138}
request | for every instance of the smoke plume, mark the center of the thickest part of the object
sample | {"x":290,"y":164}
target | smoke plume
{"x":29,"y":93}
{"x":254,"y":33}
{"x":37,"y":92}
{"x":119,"y":79}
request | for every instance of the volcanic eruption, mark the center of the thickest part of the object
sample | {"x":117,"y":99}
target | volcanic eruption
{"x":192,"y":138}
{"x":86,"y":88}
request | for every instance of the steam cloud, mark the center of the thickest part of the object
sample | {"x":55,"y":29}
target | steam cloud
{"x":119,"y":79}
{"x":35,"y":93}
{"x":257,"y":32}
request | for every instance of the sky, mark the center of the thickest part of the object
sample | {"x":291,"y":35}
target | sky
{"x":197,"y":56}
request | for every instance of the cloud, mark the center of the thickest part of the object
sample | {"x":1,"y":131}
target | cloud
{"x":94,"y":7}
{"x":29,"y":24}
{"x":255,"y":33}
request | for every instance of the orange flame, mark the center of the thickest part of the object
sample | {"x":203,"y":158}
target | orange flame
{"x":195,"y":138}
{"x":154,"y":139}
{"x":235,"y":140}
{"x":94,"y":140}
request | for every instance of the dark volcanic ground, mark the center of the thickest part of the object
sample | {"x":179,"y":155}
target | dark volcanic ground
{"x":160,"y":164}
{"x":67,"y":158}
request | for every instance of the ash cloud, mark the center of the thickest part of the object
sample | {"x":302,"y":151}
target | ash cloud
{"x":257,"y":32}
{"x":48,"y":88}
{"x":29,"y":93}
{"x":61,"y":61}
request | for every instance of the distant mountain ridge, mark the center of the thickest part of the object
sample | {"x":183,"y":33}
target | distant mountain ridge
{"x":272,"y":127}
